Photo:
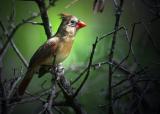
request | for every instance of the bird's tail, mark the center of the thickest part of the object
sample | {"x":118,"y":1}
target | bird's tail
{"x":25,"y":82}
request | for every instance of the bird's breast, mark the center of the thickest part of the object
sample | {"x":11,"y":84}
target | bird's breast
{"x":63,"y":50}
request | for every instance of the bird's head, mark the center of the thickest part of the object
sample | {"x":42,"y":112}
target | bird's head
{"x":70,"y":24}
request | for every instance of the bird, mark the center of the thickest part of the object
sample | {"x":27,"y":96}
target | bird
{"x":55,"y":49}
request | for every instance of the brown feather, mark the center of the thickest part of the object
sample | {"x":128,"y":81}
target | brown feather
{"x":23,"y":85}
{"x":46,"y":51}
{"x":63,"y":15}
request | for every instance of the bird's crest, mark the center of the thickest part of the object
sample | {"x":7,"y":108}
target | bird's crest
{"x":64,"y":15}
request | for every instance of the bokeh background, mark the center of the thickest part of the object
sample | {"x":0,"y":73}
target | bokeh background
{"x":93,"y":95}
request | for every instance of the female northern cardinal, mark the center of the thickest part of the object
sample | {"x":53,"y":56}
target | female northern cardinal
{"x":56,"y":48}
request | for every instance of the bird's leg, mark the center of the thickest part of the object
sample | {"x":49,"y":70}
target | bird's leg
{"x":57,"y":70}
{"x":60,"y":70}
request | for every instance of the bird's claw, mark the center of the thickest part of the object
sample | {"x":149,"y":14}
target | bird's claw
{"x":58,"y":71}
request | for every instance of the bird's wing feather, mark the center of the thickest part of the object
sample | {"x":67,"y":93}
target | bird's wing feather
{"x":44,"y":51}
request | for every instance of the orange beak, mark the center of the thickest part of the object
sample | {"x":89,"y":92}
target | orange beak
{"x":80,"y":24}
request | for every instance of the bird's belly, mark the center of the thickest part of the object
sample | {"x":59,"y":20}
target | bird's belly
{"x":63,"y":51}
{"x":60,"y":57}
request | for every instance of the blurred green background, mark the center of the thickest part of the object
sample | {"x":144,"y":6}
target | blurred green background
{"x":29,"y":37}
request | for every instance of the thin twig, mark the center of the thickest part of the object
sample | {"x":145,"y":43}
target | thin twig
{"x":32,"y":98}
{"x":2,"y":26}
{"x":71,"y":3}
{"x":19,"y":54}
{"x":122,"y":94}
{"x":13,"y":87}
{"x":150,"y":37}
{"x":13,"y":46}
{"x":58,"y":110}
{"x":110,"y":33}
{"x":132,"y":75}
{"x":115,"y":3}
{"x":88,"y":68}
{"x":111,"y":55}
{"x":98,"y":65}
{"x":48,"y":105}
{"x":129,"y":51}
{"x":51,"y":99}
{"x":3,"y":103}
{"x":33,"y":22}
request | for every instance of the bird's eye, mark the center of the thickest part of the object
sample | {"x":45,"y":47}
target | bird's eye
{"x":73,"y":22}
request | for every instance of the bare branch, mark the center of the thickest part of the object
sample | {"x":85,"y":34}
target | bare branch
{"x":130,"y":48}
{"x":150,"y":37}
{"x":132,"y":75}
{"x":13,"y":46}
{"x":48,"y":105}
{"x":2,"y":26}
{"x":19,"y":54}
{"x":32,"y":98}
{"x":110,"y":33}
{"x":3,"y":102}
{"x":111,"y":54}
{"x":88,"y":68}
{"x":32,"y":22}
{"x":99,"y":65}
{"x":44,"y":16}
{"x":115,"y":3}
{"x":71,"y":3}
{"x":13,"y":88}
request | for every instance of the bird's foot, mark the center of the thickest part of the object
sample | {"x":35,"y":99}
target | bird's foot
{"x":58,"y":70}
